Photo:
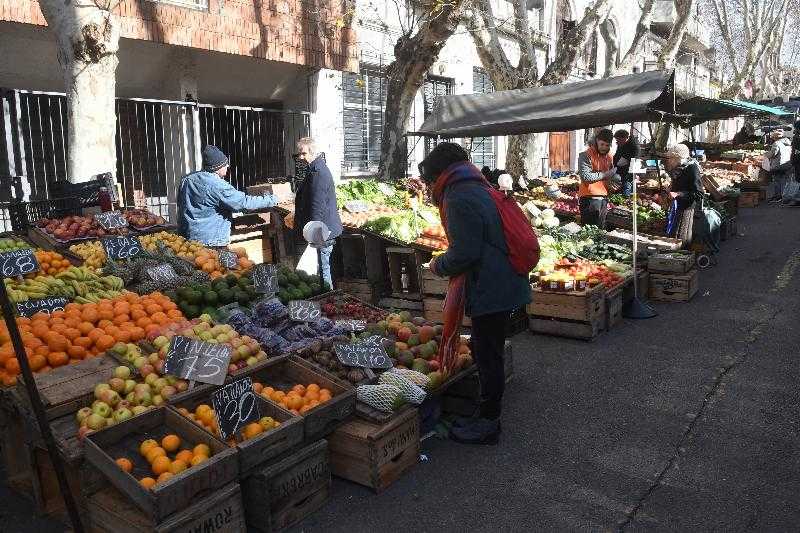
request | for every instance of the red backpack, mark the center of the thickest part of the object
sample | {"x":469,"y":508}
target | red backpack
{"x":523,"y":246}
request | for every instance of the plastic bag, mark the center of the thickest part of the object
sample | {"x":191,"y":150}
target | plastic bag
{"x":382,"y":397}
{"x":411,"y":393}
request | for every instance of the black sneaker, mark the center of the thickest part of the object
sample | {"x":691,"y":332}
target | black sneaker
{"x":477,"y":431}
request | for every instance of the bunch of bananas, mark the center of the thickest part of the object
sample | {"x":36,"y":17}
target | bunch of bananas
{"x":78,"y":284}
{"x":92,"y":252}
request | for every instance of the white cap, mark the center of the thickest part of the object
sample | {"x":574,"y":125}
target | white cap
{"x":316,"y":232}
{"x":505,"y":182}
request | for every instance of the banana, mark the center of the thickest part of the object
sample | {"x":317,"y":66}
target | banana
{"x":67,"y":275}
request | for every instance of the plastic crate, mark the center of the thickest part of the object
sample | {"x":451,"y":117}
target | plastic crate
{"x":87,"y":193}
{"x":23,"y":215}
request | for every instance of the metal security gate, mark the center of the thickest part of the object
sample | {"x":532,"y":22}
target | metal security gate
{"x":157,"y":143}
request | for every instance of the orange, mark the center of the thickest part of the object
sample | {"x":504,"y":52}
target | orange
{"x":164,"y":477}
{"x":136,"y":314}
{"x":185,"y":456}
{"x":89,"y":314}
{"x":125,"y":464}
{"x":84,"y":342}
{"x":178,"y":466}
{"x":144,"y":322}
{"x":56,"y":342}
{"x":202,"y":449}
{"x":325,"y":392}
{"x":154,"y":453}
{"x":147,"y":445}
{"x":104,"y":342}
{"x":311,"y":395}
{"x":137,"y":334}
{"x":312,"y":387}
{"x":121,"y":319}
{"x":76,"y":352}
{"x":37,"y":362}
{"x":106,"y":313}
{"x":12,"y":366}
{"x":147,"y":482}
{"x":57,"y":359}
{"x":171,"y":443}
{"x":299,"y":389}
{"x":72,"y":333}
{"x":159,"y":317}
{"x":161,"y":464}
{"x":103,"y":324}
{"x":197,"y":459}
{"x":252,"y":430}
{"x":95,"y":334}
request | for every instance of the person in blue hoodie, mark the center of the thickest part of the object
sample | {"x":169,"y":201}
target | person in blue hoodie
{"x":206,"y":202}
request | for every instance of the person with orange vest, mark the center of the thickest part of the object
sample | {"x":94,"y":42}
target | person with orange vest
{"x":596,"y":171}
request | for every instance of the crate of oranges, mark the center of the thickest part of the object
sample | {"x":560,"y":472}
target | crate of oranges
{"x":305,"y":391}
{"x":258,"y":442}
{"x":161,"y":460}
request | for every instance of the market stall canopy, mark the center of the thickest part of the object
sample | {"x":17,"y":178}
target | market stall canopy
{"x":701,"y":109}
{"x":646,"y":96}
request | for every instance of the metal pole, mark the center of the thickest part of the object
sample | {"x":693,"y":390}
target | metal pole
{"x":38,"y":409}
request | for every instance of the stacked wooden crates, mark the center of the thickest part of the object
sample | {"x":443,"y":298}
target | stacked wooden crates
{"x":673,"y":276}
{"x":574,"y":314}
{"x":364,"y":270}
{"x":434,"y":290}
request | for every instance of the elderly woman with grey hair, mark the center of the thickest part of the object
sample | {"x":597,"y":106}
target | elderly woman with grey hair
{"x":686,"y":190}
{"x":779,"y":155}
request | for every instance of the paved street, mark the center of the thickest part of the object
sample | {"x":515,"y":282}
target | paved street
{"x":685,"y":422}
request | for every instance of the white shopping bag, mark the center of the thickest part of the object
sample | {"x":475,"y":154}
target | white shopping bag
{"x":309,"y":263}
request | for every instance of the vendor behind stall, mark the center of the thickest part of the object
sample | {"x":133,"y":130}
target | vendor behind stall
{"x":596,"y":170}
{"x":206,"y":202}
{"x":627,"y":149}
{"x":685,"y":192}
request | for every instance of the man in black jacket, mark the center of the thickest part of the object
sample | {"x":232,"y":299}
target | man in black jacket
{"x":796,"y":151}
{"x":627,"y":149}
{"x":316,"y":201}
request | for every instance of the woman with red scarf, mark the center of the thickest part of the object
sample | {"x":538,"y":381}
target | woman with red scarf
{"x":483,"y":283}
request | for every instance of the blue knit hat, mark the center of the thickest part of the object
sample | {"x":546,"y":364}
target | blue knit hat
{"x":213,"y":158}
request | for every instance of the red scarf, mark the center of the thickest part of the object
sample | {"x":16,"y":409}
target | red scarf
{"x":455,"y":299}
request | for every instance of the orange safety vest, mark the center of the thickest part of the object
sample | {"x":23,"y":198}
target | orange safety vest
{"x":600,"y":163}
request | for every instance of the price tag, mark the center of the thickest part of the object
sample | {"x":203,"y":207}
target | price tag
{"x":162,"y":273}
{"x":235,"y":405}
{"x":365,"y":354}
{"x":18,"y":263}
{"x":197,"y":360}
{"x":228,"y":259}
{"x":265,"y":278}
{"x":304,"y":311}
{"x":29,"y":308}
{"x":111,"y":220}
{"x":122,"y":247}
{"x":352,"y":325}
{"x":356,"y":206}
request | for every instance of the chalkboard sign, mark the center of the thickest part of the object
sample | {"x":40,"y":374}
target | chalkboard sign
{"x":162,"y":273}
{"x":304,"y":311}
{"x":356,"y":206}
{"x":352,"y":325}
{"x":111,"y":220}
{"x":265,"y":278}
{"x":235,"y":405}
{"x":228,"y":259}
{"x":18,"y":263}
{"x":29,"y":308}
{"x":122,"y":247}
{"x":196,"y":360}
{"x":365,"y":354}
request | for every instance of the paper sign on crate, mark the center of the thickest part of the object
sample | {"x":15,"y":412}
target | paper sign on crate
{"x":304,"y":311}
{"x":162,"y":273}
{"x":196,"y":360}
{"x":265,"y":278}
{"x":228,"y":259}
{"x":28,"y":308}
{"x":18,"y":263}
{"x":111,"y":220}
{"x":122,"y":247}
{"x":365,"y":354}
{"x":235,"y":405}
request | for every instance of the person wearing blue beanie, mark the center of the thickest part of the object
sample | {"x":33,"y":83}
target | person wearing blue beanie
{"x":206,"y":202}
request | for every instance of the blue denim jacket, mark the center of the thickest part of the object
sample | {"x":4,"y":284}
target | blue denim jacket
{"x":206,"y":204}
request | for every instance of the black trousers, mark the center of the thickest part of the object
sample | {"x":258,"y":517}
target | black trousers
{"x":593,"y":211}
{"x":488,"y":341}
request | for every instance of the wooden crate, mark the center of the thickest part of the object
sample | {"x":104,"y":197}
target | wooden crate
{"x":177,"y":493}
{"x":287,"y":491}
{"x":364,"y":290}
{"x":573,"y":305}
{"x":432,"y":311}
{"x":413,"y":258}
{"x":571,"y":329}
{"x":432,"y":284}
{"x":401,"y":304}
{"x":613,"y":303}
{"x":364,"y":258}
{"x":324,"y":418}
{"x":671,"y":263}
{"x":14,"y":448}
{"x":673,"y":287}
{"x":255,"y":241}
{"x":375,"y":455}
{"x":254,"y":452}
{"x":109,"y":511}
{"x":47,"y":495}
{"x":749,"y":199}
{"x":66,"y":389}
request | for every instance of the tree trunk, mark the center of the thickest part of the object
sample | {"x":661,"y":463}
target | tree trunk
{"x":642,"y":31}
{"x":87,"y":35}
{"x":414,"y":56}
{"x":683,"y":11}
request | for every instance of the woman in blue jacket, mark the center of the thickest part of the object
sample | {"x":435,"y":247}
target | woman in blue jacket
{"x":206,"y":202}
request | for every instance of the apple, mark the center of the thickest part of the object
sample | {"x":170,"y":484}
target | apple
{"x":236,"y":342}
{"x":222,"y":338}
{"x":120,"y":415}
{"x":146,"y":371}
{"x":232,"y":368}
{"x":244,"y":351}
{"x":143,"y":398}
{"x":212,"y":341}
{"x":226,"y":328}
{"x":110,"y":397}
{"x":160,"y":367}
{"x":110,"y":422}
{"x":129,"y":385}
{"x":216,"y":330}
{"x":83,"y":432}
{"x":205,"y":318}
{"x":261,"y":356}
{"x":124,"y":404}
{"x":160,"y":341}
{"x":100,"y":387}
{"x":96,"y":421}
{"x":168,"y":392}
{"x":188,"y":332}
{"x":139,"y":362}
{"x":139,"y":409}
{"x":122,"y":372}
{"x":171,"y":380}
{"x":157,"y":400}
{"x":153,"y":358}
{"x":251,"y":361}
{"x":82,"y":415}
{"x":182,"y":386}
{"x":143,"y":387}
{"x":117,"y":385}
{"x":120,"y":348}
{"x":205,"y":336}
{"x":159,"y":384}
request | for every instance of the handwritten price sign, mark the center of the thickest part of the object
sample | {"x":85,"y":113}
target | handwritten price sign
{"x":122,"y":247}
{"x":235,"y":405}
{"x":18,"y":263}
{"x":29,"y":308}
{"x":366,"y":354}
{"x":304,"y":311}
{"x":265,"y":278}
{"x":111,"y":220}
{"x":196,"y":360}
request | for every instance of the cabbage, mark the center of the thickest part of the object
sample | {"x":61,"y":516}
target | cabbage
{"x":548,"y":213}
{"x":551,"y":222}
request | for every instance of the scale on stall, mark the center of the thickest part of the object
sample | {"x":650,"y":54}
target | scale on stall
{"x":637,"y":308}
